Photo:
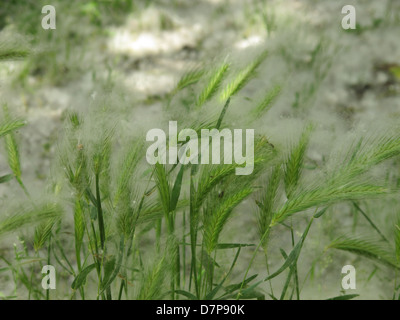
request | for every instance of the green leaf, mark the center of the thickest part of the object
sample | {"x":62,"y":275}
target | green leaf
{"x":112,"y":267}
{"x":163,"y":187}
{"x":252,"y":294}
{"x":93,"y":212}
{"x":293,"y":256}
{"x":248,"y":293}
{"x":289,"y":277}
{"x":233,"y":287}
{"x":373,"y":225}
{"x":6,"y":178}
{"x":176,"y":190}
{"x":81,"y":277}
{"x":187,"y":294}
{"x":213,"y":292}
{"x":222,"y":246}
{"x":397,"y":238}
{"x":273,"y":297}
{"x":91,"y":197}
{"x":109,"y":267}
{"x":79,"y":228}
{"x":344,"y":297}
{"x":320,"y":213}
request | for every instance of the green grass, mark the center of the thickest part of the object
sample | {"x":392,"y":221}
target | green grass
{"x":116,"y":227}
{"x":109,"y":211}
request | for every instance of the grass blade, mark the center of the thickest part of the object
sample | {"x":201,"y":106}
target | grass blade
{"x":6,"y":178}
{"x":293,"y":256}
{"x":344,"y":297}
{"x":80,"y":279}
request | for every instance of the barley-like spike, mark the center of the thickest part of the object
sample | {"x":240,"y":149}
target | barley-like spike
{"x":213,"y":84}
{"x":370,"y":249}
{"x":242,"y":78}
{"x":215,"y":223}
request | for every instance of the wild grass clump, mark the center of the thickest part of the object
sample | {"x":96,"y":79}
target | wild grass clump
{"x":119,"y":228}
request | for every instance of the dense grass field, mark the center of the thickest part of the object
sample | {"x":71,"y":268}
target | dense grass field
{"x":85,"y":215}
